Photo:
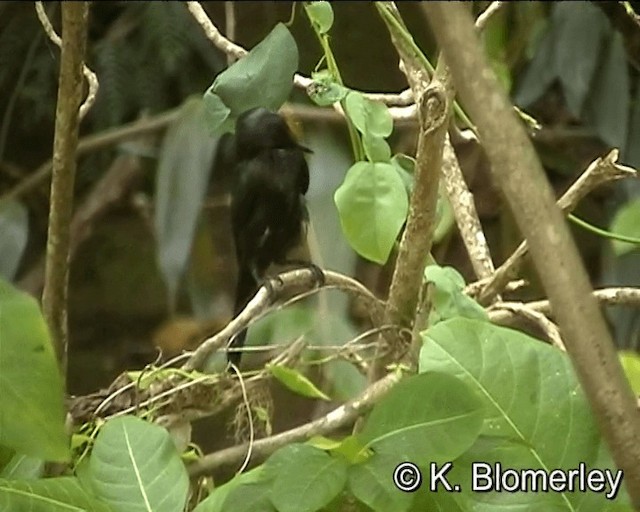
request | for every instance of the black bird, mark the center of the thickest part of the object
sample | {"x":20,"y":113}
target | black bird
{"x":268,"y":210}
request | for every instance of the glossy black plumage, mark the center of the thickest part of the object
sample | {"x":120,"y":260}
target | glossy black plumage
{"x":268,"y":212}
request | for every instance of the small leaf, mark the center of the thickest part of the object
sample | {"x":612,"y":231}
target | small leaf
{"x":369,"y":117}
{"x":425,"y":418}
{"x":376,"y":148}
{"x":448,"y":297}
{"x":406,"y":166}
{"x":321,"y":15}
{"x":14,"y":226}
{"x":631,"y":364}
{"x":263,"y":77}
{"x":626,"y":222}
{"x":325,"y":90}
{"x":296,"y":382}
{"x":31,"y":390}
{"x":372,"y":203}
{"x":135,"y":466}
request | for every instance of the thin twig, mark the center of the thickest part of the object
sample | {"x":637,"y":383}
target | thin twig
{"x":340,"y":417}
{"x":602,"y":170}
{"x":91,"y":77}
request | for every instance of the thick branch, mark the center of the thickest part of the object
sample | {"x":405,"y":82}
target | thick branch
{"x":520,"y":175}
{"x":54,"y":297}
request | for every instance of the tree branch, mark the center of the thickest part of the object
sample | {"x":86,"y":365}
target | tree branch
{"x":54,"y":297}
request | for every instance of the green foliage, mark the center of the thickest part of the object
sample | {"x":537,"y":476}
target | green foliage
{"x":627,"y":223}
{"x":448,"y":297}
{"x":62,"y":494}
{"x":262,"y":78}
{"x":373,"y":204}
{"x":631,"y":365}
{"x":135,"y":466}
{"x":296,"y":382}
{"x":536,"y":415}
{"x":31,"y":393}
{"x":321,"y":15}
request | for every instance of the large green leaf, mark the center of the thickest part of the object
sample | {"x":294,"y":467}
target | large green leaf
{"x":372,"y":203}
{"x":217,"y":499}
{"x":183,"y":173}
{"x":262,"y":78}
{"x":31,"y":391}
{"x":47,"y":495}
{"x":305,"y":478}
{"x":425,"y":418}
{"x":14,"y":226}
{"x":135,"y":467}
{"x":371,"y":483}
{"x":536,"y":413}
{"x":23,"y":467}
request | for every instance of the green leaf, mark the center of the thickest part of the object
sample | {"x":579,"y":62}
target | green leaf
{"x":31,"y":391}
{"x":14,"y":226}
{"x":369,"y":117}
{"x":405,"y":166}
{"x":305,"y":478}
{"x":216,"y":501}
{"x":185,"y":162}
{"x":217,"y":114}
{"x":580,"y":27}
{"x":135,"y":466}
{"x":371,"y":483}
{"x":325,"y":90}
{"x":24,"y":467}
{"x":449,"y":299}
{"x":426,"y":418}
{"x":249,"y":497}
{"x":631,"y":364}
{"x":262,"y":78}
{"x":534,"y":405}
{"x":607,"y":108}
{"x":47,"y":495}
{"x":296,"y":382}
{"x":626,"y":222}
{"x":321,"y":15}
{"x":376,"y":148}
{"x":352,"y":449}
{"x":372,"y":204}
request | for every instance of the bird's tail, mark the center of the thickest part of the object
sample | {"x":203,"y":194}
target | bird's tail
{"x":245,"y":289}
